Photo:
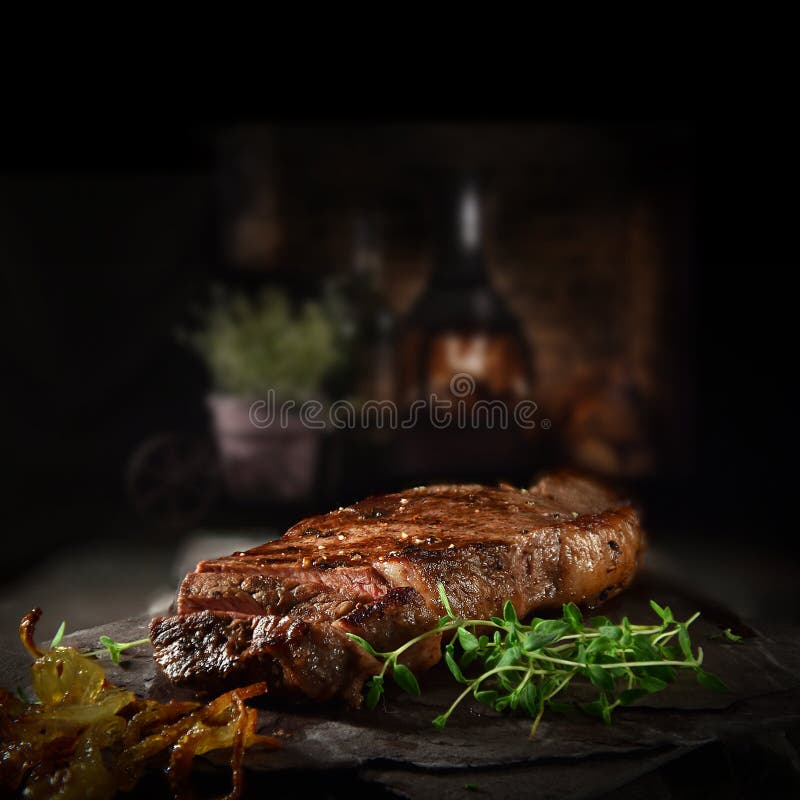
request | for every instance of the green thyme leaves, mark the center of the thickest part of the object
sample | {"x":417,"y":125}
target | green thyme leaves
{"x":405,"y":679}
{"x":364,"y":643}
{"x":508,"y":665}
{"x":114,"y":649}
{"x":728,"y":636}
{"x":59,"y":635}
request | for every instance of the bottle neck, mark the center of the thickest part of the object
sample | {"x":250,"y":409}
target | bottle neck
{"x":459,"y":256}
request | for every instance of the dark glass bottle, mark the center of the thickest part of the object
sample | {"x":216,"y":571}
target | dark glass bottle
{"x":460,"y":324}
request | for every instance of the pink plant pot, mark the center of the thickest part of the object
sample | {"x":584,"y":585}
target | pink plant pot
{"x":263,"y":464}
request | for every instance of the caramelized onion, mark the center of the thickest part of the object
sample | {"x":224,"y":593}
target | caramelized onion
{"x":88,"y":738}
{"x":26,"y":631}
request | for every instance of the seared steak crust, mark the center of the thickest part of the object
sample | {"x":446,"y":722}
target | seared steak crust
{"x":281,"y":610}
{"x":212,"y":650}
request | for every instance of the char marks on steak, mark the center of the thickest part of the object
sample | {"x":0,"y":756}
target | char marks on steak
{"x":281,"y":611}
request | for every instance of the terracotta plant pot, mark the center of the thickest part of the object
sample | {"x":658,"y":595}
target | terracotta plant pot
{"x":263,"y":464}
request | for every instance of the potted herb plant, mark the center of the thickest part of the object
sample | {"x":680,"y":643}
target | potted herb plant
{"x":266,"y":359}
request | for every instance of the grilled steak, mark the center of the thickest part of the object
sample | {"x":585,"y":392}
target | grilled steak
{"x":282,"y":610}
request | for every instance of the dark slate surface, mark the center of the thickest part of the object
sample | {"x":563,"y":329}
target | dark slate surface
{"x":397,"y":750}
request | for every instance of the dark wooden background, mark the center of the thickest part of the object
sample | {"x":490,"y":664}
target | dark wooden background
{"x":668,"y":245}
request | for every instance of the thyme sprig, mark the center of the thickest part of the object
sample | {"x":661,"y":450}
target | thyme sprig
{"x":110,"y":647}
{"x":521,"y":667}
{"x":114,"y":649}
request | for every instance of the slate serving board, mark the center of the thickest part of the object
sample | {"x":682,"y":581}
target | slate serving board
{"x":396,"y":751}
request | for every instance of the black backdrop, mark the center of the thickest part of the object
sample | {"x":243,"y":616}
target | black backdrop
{"x":93,"y":280}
